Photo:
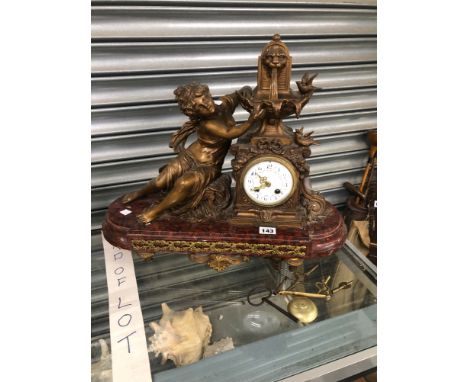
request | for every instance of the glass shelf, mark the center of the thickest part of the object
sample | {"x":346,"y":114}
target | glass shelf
{"x":269,"y":346}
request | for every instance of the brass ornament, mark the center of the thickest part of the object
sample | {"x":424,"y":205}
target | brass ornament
{"x":304,"y":294}
{"x":315,"y":204}
{"x":266,"y":215}
{"x":342,"y":286}
{"x":218,"y":247}
{"x":303,"y":309}
{"x":295,"y":262}
{"x":322,"y":286}
{"x":146,"y":256}
{"x":304,"y":139}
{"x":219,"y":263}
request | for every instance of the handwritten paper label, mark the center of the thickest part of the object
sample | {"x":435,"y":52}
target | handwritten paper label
{"x":267,"y":230}
{"x":130,"y":360}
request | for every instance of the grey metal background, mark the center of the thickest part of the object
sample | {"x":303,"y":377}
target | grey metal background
{"x":143,"y":49}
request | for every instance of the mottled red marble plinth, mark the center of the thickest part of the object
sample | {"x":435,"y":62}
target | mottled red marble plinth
{"x":218,"y":237}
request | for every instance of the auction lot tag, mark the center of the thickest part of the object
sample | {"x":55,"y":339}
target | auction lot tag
{"x":267,"y":230}
{"x":130,"y":360}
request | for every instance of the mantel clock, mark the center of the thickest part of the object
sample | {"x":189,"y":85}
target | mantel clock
{"x":190,"y":207}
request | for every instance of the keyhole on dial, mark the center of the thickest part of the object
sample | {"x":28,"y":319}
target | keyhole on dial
{"x":277,"y":191}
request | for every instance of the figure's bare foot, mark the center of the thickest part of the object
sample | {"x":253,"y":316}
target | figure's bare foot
{"x":131,"y":196}
{"x":144,"y":218}
{"x":147,"y":216}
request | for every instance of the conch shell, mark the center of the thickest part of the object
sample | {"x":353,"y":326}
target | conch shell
{"x":180,"y":336}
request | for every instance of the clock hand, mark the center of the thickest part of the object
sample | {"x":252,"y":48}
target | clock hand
{"x":262,"y":186}
{"x":264,"y":181}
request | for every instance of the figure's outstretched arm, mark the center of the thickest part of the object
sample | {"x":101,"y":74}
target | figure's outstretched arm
{"x":231,"y":101}
{"x":234,"y":131}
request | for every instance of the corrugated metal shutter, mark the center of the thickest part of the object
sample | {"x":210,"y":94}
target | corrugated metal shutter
{"x":142,"y":50}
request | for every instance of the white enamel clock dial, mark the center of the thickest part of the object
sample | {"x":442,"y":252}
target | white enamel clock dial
{"x":268,"y":182}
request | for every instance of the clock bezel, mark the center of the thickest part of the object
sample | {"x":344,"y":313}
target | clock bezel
{"x":272,"y":158}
